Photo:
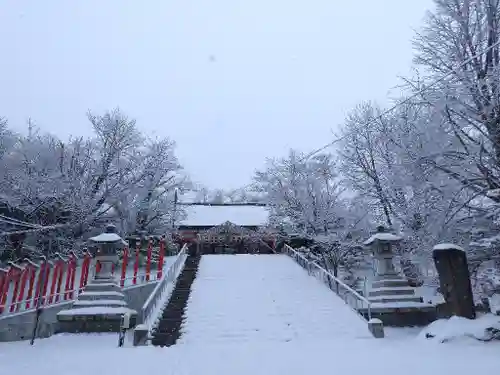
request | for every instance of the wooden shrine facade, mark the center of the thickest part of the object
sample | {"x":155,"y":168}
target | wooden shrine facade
{"x":229,"y":238}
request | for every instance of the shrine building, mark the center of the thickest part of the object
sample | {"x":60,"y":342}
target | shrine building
{"x":227,"y":228}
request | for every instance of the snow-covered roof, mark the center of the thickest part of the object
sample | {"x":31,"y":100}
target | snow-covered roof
{"x":382,"y":237}
{"x":216,"y":215}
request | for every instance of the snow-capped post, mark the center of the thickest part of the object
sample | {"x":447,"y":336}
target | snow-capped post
{"x":376,"y":328}
{"x":454,"y":279}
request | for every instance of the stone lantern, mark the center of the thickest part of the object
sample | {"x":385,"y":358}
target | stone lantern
{"x":382,"y":244}
{"x":392,"y":299}
{"x":109,"y":244}
{"x":388,"y":287}
{"x":102,"y":305}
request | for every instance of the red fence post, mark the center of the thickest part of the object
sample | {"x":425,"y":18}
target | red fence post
{"x":32,"y":277}
{"x":15,"y":272}
{"x":55,"y":276}
{"x":148,"y":261}
{"x":136,"y":264}
{"x":161,"y":258}
{"x":24,"y":280}
{"x":87,"y":258}
{"x":87,"y":268}
{"x":46,"y":282}
{"x":124,"y":266}
{"x":39,"y":282}
{"x":72,"y":265}
{"x":67,"y":283}
{"x":4,"y":288}
{"x":62,"y":267}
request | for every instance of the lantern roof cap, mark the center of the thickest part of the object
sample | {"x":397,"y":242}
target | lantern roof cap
{"x":107,"y":238}
{"x":382,"y":236}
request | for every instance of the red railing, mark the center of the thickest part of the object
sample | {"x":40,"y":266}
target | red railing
{"x":26,"y":285}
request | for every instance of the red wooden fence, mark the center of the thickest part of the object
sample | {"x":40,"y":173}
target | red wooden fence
{"x":28,"y":284}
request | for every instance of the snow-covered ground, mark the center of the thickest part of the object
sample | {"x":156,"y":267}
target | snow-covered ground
{"x":242,"y":298}
{"x":261,"y":315}
{"x":86,"y":354}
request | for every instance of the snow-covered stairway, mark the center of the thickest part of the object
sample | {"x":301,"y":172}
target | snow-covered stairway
{"x":168,"y":330}
{"x":243,"y":298}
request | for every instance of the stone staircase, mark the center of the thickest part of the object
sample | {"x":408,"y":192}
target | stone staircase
{"x":392,"y":289}
{"x":168,"y":330}
{"x":99,"y":308}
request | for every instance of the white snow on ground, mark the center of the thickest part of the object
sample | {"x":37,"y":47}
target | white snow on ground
{"x":247,"y":298}
{"x":339,"y":347}
{"x":87,"y":354}
{"x":444,"y":330}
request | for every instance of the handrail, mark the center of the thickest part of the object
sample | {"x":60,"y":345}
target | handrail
{"x":330,"y":279}
{"x":157,"y":299}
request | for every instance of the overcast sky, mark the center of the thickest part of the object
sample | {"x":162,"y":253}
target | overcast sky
{"x":231,"y":81}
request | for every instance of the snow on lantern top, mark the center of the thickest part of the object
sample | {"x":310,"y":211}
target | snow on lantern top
{"x":382,"y":236}
{"x":109,"y":241}
{"x":382,"y":241}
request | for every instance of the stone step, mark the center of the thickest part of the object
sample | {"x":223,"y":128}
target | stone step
{"x":102,"y":287}
{"x":168,"y":329}
{"x":175,"y":307}
{"x":171,"y":315}
{"x":387,"y":299}
{"x":104,"y":281}
{"x":165,"y":340}
{"x":85,"y":296}
{"x":407,"y":291}
{"x":390,"y":283}
{"x":99,"y":303}
{"x":170,"y":325}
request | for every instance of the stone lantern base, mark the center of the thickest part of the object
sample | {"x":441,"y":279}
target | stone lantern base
{"x":392,"y":289}
{"x":395,"y":303}
{"x":99,"y":308}
{"x":405,"y":316}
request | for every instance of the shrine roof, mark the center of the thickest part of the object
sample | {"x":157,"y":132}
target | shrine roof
{"x":205,"y":216}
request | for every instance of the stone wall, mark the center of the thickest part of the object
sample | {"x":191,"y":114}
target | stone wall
{"x":19,"y":326}
{"x":137,"y":295}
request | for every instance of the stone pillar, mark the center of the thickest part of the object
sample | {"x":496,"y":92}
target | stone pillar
{"x":376,"y":328}
{"x":454,"y":279}
{"x":140,"y":335}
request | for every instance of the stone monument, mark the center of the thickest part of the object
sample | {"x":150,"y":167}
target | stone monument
{"x":392,"y":299}
{"x":101,"y":306}
{"x":454,"y":279}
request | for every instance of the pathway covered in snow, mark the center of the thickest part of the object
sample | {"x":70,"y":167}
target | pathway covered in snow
{"x":256,"y":315}
{"x":264,"y":298}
